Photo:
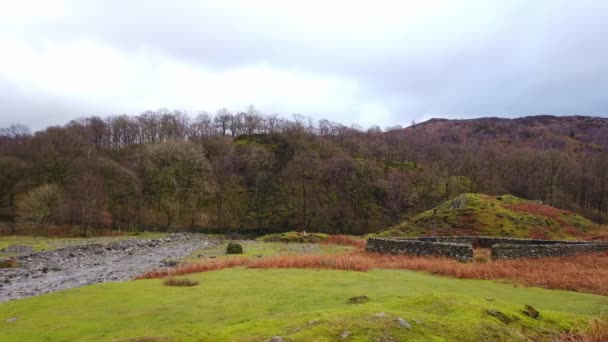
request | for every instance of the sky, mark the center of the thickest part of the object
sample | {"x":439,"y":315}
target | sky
{"x":375,"y":62}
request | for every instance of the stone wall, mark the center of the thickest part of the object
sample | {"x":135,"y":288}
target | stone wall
{"x":461,"y":247}
{"x":458,"y":251}
{"x":489,"y":241}
{"x":513,"y":251}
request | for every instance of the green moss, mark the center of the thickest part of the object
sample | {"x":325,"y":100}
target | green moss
{"x":299,"y":305}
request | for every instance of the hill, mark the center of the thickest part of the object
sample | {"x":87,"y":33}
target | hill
{"x":575,"y":133}
{"x":507,"y":215}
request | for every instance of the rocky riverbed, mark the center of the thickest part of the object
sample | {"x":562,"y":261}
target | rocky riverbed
{"x":86,"y":264}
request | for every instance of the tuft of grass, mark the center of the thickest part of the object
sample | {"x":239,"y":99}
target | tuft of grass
{"x":182,"y":282}
{"x":594,"y":331}
{"x":482,"y":255}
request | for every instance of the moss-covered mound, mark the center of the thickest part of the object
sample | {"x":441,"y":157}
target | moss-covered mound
{"x":506,"y":215}
{"x":294,"y":237}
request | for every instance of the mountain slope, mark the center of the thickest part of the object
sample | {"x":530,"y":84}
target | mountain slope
{"x":541,"y":132}
{"x":507,"y":215}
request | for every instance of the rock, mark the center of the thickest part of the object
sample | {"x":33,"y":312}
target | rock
{"x":489,"y":299}
{"x":531,"y":312}
{"x":500,"y":316}
{"x":345,"y":335}
{"x":314,"y":321}
{"x":404,"y":323}
{"x":358,"y":299}
{"x":275,"y":339}
{"x":381,"y":315}
{"x":12,"y":319}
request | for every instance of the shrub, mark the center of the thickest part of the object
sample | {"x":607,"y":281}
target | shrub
{"x":180,"y":282}
{"x":234,"y":248}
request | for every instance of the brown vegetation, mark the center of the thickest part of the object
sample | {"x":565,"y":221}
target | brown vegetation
{"x":344,"y":240}
{"x":584,"y":273}
{"x":595,"y":331}
{"x":182,"y":282}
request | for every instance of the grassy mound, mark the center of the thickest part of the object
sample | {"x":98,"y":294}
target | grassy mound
{"x":507,"y":215}
{"x":294,"y":237}
{"x":299,"y":305}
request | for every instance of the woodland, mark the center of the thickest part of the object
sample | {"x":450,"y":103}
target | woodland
{"x":247,"y":171}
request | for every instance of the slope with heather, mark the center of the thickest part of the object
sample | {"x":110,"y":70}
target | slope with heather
{"x":506,"y":215}
{"x":575,"y":133}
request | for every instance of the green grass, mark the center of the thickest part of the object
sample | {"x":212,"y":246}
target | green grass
{"x":264,"y":249}
{"x":294,"y":237}
{"x":40,"y":243}
{"x":254,"y":305}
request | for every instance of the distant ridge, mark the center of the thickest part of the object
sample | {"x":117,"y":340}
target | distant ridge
{"x":539,"y":132}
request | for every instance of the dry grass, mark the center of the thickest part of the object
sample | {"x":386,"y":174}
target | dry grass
{"x":344,"y":240}
{"x":182,"y":282}
{"x":595,"y":331}
{"x":583,"y":273}
{"x":9,"y":263}
{"x":195,"y":267}
{"x":482,"y":255}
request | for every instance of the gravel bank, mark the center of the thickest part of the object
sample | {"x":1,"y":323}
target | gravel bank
{"x":86,"y":264}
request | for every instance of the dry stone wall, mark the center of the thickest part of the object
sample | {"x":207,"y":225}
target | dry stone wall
{"x":514,"y":251}
{"x":458,"y":251}
{"x":461,"y":247}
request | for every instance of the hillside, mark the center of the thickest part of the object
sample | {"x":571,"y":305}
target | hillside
{"x":507,"y":215}
{"x":575,"y":133}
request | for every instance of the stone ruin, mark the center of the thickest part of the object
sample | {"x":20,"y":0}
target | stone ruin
{"x":461,"y":247}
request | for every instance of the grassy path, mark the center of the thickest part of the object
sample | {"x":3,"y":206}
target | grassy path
{"x":300,"y":305}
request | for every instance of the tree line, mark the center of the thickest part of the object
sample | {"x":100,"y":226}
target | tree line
{"x":249,"y":171}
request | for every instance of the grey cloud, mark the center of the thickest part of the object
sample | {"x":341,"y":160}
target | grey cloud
{"x":471,"y":59}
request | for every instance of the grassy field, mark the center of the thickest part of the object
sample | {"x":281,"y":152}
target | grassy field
{"x":300,"y":305}
{"x":257,"y":249}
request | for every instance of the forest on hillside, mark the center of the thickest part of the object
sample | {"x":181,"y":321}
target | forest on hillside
{"x":244,"y":171}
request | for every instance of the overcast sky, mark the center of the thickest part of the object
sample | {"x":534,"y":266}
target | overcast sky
{"x":365,"y":62}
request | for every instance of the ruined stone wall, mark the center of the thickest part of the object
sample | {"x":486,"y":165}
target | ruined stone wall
{"x":514,"y":251}
{"x":458,"y":251}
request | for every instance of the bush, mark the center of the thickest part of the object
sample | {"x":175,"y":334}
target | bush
{"x":234,"y":248}
{"x":180,"y":282}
